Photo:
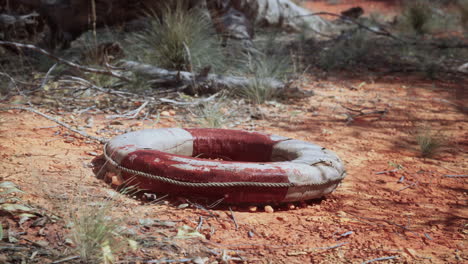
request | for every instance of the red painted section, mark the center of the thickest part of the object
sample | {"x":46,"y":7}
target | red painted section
{"x":230,"y":195}
{"x":161,"y":163}
{"x":227,"y":144}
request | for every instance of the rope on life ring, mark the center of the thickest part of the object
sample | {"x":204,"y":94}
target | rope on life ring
{"x":265,"y":168}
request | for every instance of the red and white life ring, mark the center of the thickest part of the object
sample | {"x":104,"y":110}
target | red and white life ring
{"x":237,"y":165}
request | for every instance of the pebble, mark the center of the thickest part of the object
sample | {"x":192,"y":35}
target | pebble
{"x":291,"y":206}
{"x":165,"y":113}
{"x":253,"y":208}
{"x":182,"y":206}
{"x":226,"y":225}
{"x":269,"y":209}
{"x":116,"y":181}
{"x":282,"y":218}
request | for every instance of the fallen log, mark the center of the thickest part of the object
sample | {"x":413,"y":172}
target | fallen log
{"x":215,"y":82}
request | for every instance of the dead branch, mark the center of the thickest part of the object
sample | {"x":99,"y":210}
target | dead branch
{"x":383,"y":32}
{"x":233,"y":218}
{"x":131,"y":114}
{"x":11,"y":20}
{"x":456,"y":176}
{"x":82,"y":133}
{"x":192,"y":103}
{"x":378,"y":31}
{"x":379,"y":259}
{"x":189,"y":79}
{"x":362,"y":112}
{"x":387,"y":171}
{"x":63,"y":61}
{"x":46,"y":77}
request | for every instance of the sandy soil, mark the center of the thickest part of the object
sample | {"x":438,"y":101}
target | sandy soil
{"x":414,"y":214}
{"x":420,"y":218}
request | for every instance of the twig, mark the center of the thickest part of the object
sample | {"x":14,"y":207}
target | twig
{"x":130,"y":115}
{"x":379,"y":259}
{"x":46,"y":77}
{"x":406,"y":187}
{"x":233,"y":218}
{"x":200,"y":223}
{"x":382,"y":32}
{"x":197,"y":102}
{"x":13,"y":81}
{"x":65,"y":259}
{"x":202,"y":208}
{"x":101,"y":89}
{"x":387,"y":171}
{"x":216,"y":203}
{"x":169,"y":260}
{"x":66,"y":62}
{"x":334,"y":246}
{"x":82,"y":133}
{"x":350,"y":117}
{"x":456,"y":176}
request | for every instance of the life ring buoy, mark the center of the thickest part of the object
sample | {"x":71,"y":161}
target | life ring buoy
{"x":236,"y":165}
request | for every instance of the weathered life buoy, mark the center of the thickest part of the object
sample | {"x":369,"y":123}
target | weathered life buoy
{"x":235,"y":165}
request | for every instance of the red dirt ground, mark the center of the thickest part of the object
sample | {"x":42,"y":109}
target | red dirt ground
{"x":421,"y":219}
{"x":414,"y":213}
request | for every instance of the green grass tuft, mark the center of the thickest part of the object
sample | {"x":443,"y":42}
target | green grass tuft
{"x":97,"y":237}
{"x":429,"y":143}
{"x":212,"y":114}
{"x":260,"y":70}
{"x":181,"y":40}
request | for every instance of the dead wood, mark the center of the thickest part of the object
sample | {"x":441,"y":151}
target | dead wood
{"x":80,"y":132}
{"x":20,"y":46}
{"x":13,"y":20}
{"x":214,"y":82}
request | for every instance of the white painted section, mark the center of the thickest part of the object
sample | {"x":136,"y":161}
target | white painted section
{"x":303,"y":193}
{"x":278,"y":138}
{"x":308,"y":164}
{"x":170,"y":140}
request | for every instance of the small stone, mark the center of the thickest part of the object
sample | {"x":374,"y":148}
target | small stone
{"x":291,"y":206}
{"x":69,"y":242}
{"x":226,"y":225}
{"x":116,"y":181}
{"x":199,"y":260}
{"x":69,"y":140}
{"x":282,"y":218}
{"x":269,"y":209}
{"x":182,"y":206}
{"x":250,"y":233}
{"x":165,"y":113}
{"x":253,"y":208}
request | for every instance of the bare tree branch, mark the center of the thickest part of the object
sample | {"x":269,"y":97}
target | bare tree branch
{"x":63,"y":61}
